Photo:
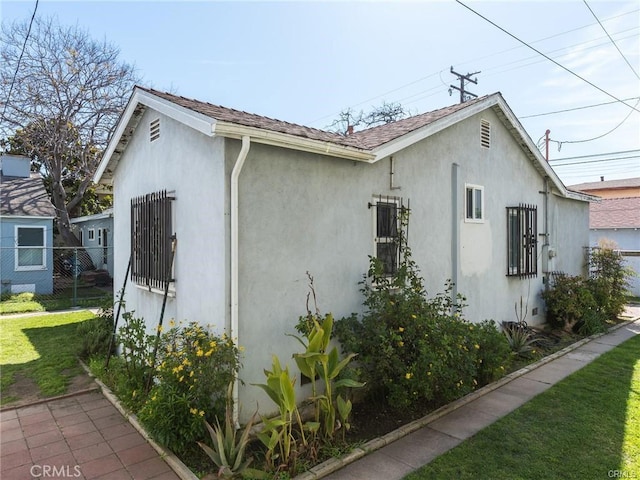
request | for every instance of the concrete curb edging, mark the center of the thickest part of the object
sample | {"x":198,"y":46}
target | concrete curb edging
{"x":334,"y":464}
{"x":167,"y":455}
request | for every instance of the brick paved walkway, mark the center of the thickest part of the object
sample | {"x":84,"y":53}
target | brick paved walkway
{"x":79,"y":437}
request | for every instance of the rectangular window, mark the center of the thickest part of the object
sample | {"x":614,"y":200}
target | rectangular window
{"x":92,"y":234}
{"x":100,"y":236}
{"x":522,"y":234}
{"x":386,"y":228}
{"x":474,"y":203}
{"x":30,"y":248}
{"x":151,"y":240}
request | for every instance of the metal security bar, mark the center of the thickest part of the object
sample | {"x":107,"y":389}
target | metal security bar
{"x":522,"y":234}
{"x":391,"y":228}
{"x":151,"y":237}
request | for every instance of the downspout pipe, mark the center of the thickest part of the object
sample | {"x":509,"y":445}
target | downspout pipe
{"x":233,"y":328}
{"x":455,"y":236}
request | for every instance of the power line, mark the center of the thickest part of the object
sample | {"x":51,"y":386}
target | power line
{"x":621,"y":152}
{"x":15,"y":73}
{"x":546,"y":56}
{"x":575,"y":108}
{"x":600,"y":136}
{"x":593,"y":161}
{"x":614,"y":43}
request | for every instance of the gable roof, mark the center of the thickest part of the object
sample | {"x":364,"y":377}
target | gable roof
{"x":368,"y":145}
{"x":25,"y":197}
{"x":615,"y":213}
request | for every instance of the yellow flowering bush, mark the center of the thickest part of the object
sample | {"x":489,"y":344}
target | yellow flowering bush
{"x":193,"y":369}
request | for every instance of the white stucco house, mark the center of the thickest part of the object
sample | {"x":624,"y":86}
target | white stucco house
{"x":254,"y":203}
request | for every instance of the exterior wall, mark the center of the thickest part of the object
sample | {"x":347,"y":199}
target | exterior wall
{"x":615,"y":192}
{"x":96,"y":246}
{"x":627,"y":240}
{"x":569,"y":229}
{"x":12,"y":280}
{"x":301,"y":212}
{"x":190,"y":165}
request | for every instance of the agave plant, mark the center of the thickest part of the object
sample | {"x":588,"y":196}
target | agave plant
{"x":520,"y":340}
{"x":227,"y":451}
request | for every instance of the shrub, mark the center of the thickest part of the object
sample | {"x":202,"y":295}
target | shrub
{"x":96,"y":334}
{"x":609,"y":281}
{"x":412,"y":349}
{"x":194,"y":367}
{"x":567,"y":299}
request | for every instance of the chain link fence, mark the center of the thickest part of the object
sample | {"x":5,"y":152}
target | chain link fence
{"x":54,"y":278}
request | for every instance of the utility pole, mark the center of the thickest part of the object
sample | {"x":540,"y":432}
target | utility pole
{"x":464,"y":94}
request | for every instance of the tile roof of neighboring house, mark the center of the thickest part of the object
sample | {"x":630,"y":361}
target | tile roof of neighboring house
{"x":25,"y":197}
{"x":607,"y":184}
{"x":364,"y":139}
{"x":615,"y":213}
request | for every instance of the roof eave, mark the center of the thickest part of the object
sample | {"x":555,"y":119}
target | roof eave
{"x":284,"y":140}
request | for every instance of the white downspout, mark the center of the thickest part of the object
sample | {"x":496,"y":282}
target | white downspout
{"x":235,"y":174}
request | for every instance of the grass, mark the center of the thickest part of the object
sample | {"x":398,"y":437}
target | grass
{"x":42,"y":348}
{"x":28,"y":302}
{"x":586,"y":426}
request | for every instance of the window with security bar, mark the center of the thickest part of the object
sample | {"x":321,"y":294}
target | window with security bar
{"x":522,"y":234}
{"x":151,"y":239}
{"x":387,"y":229}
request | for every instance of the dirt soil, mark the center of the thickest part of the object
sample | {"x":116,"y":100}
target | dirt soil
{"x":26,"y":391}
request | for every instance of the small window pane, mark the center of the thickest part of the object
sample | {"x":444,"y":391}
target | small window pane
{"x":30,"y":257}
{"x":387,"y":220}
{"x":478,"y":205}
{"x":469,"y":202}
{"x":30,"y":237}
{"x":387,"y":253}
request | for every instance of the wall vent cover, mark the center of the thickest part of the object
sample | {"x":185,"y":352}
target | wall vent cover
{"x":154,"y":130}
{"x":485,"y":133}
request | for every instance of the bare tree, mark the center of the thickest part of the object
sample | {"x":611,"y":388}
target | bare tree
{"x":349,"y":119}
{"x":66,"y":97}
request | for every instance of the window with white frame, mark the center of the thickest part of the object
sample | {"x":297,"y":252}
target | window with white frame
{"x":386,"y":212}
{"x":30,"y":248}
{"x":91,"y":234}
{"x":100,"y":236}
{"x":474,"y":203}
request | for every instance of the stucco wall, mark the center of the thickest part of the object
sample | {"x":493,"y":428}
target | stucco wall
{"x":302,"y":212}
{"x":626,"y":239}
{"x":41,"y":279}
{"x":190,"y":165}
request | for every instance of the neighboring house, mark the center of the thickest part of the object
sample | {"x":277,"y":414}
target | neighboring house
{"x":255,"y":203}
{"x":617,"y":219}
{"x":95,"y":233}
{"x":26,"y":229}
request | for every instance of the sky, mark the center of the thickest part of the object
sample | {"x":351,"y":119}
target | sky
{"x":304,"y":62}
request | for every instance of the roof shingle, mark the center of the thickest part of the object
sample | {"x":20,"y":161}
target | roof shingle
{"x":25,"y":197}
{"x":615,"y":213}
{"x":365,"y":139}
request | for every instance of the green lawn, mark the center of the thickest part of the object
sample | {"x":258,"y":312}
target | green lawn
{"x":61,"y":300}
{"x":585,"y":427}
{"x":42,"y":348}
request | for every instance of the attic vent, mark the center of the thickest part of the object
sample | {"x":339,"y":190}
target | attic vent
{"x":485,"y":133}
{"x":154,"y":130}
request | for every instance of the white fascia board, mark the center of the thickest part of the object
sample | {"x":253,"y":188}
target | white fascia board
{"x":198,"y":121}
{"x":195,"y":120}
{"x":28,"y":217}
{"x":409,"y":139}
{"x":540,"y":160}
{"x":278,"y":139}
{"x":97,"y":216}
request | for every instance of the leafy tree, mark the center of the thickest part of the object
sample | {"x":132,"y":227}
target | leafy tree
{"x":66,"y":97}
{"x":351,"y":119}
